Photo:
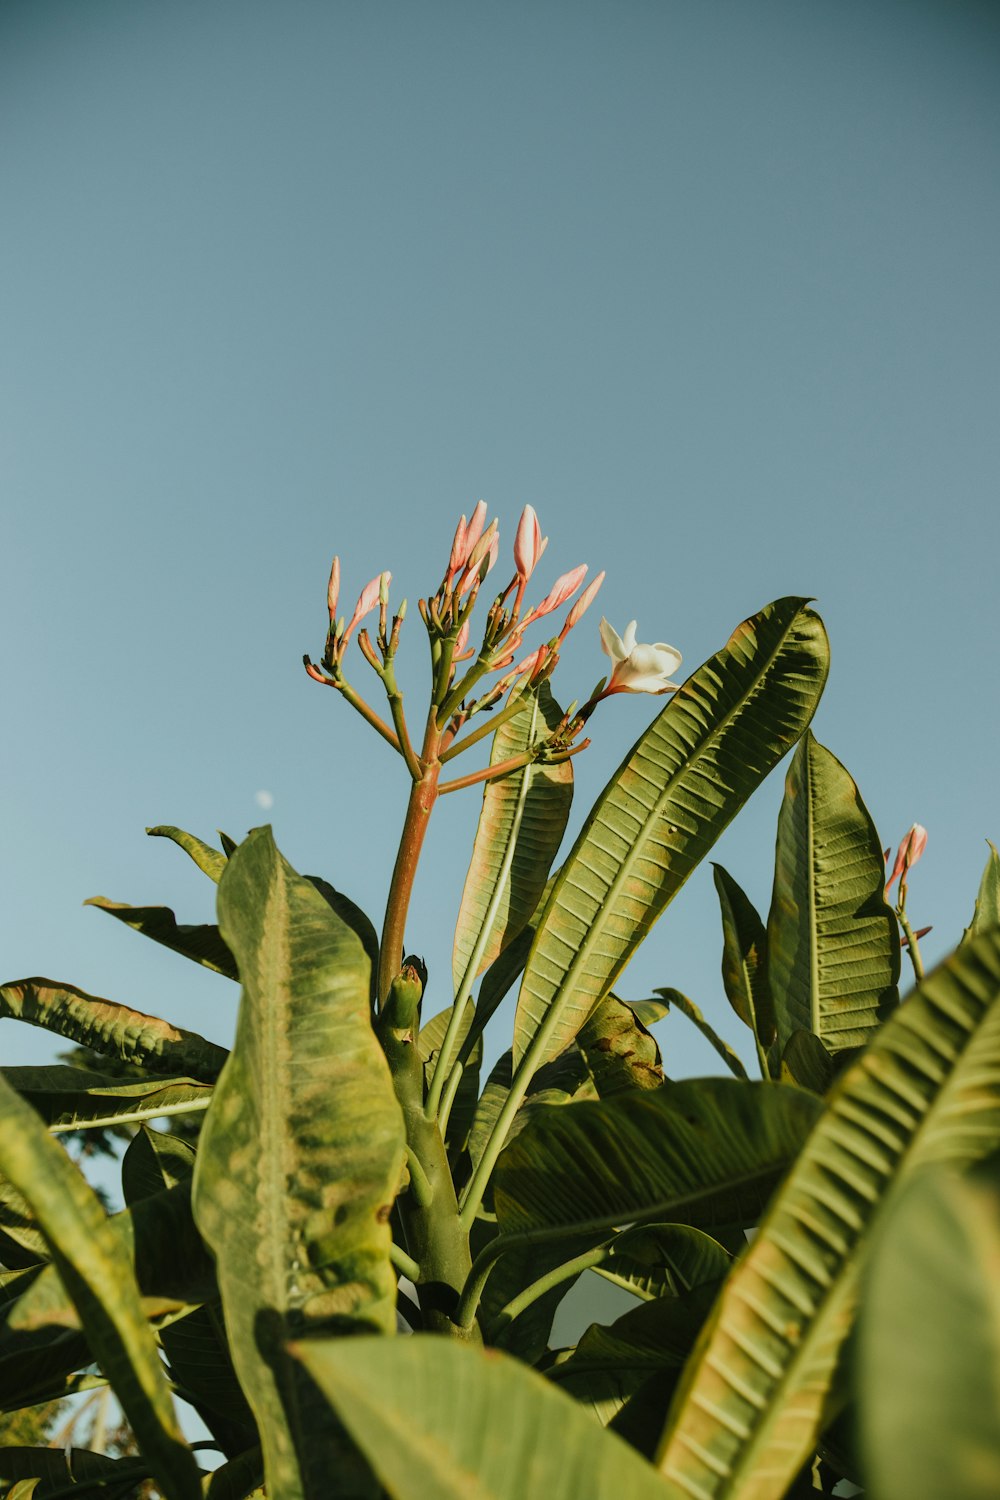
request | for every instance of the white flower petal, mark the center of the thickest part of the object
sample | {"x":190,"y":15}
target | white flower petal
{"x":611,"y":642}
{"x":670,"y":659}
{"x":628,"y":639}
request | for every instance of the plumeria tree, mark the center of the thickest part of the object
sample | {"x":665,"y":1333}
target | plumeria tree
{"x":347,"y":1248}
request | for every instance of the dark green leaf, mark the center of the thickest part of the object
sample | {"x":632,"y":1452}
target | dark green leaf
{"x":744,"y":958}
{"x":688,"y":1008}
{"x":154,"y":1160}
{"x":69,"y":1098}
{"x":833,"y":942}
{"x":925,"y":1089}
{"x":201,"y":942}
{"x":706,"y":1152}
{"x":806,"y":1063}
{"x":95,"y":1267}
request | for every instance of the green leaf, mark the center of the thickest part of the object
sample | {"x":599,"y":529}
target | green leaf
{"x":688,"y":1008}
{"x":301,"y":1152}
{"x":205,"y":857}
{"x":928,"y":1348}
{"x":154,"y":1160}
{"x":744,"y":958}
{"x":926,"y":1089}
{"x":202,"y":1370}
{"x":806,"y":1063}
{"x":113,"y":1029}
{"x":833,"y":942}
{"x":21,"y":1242}
{"x":648,"y":1011}
{"x":424,"y":1410}
{"x":239,"y":1479}
{"x":201,"y":943}
{"x":682,"y":783}
{"x":521,"y":824}
{"x":706,"y":1152}
{"x":660,"y":1260}
{"x":95,"y":1267}
{"x":986,"y":913}
{"x":69,"y":1098}
{"x":467,"y":1094}
{"x":619,"y":1051}
{"x":612,"y":1361}
{"x":356,"y":920}
{"x":166,"y":1259}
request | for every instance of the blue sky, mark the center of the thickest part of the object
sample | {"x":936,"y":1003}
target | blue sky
{"x":712,"y":286}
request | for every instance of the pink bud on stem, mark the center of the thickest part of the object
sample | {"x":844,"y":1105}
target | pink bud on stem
{"x":908,"y":853}
{"x":529,"y":544}
{"x":581,"y":606}
{"x":369,"y":597}
{"x":333,"y":591}
{"x":564,"y":586}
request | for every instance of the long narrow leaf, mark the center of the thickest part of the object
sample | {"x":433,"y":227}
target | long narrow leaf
{"x":199,"y":942}
{"x":95,"y":1268}
{"x":116,"y":1030}
{"x":833,"y":942}
{"x":211,"y":861}
{"x":69,"y":1098}
{"x":680,"y":786}
{"x":300,"y":1155}
{"x":744,"y":958}
{"x":986,"y":913}
{"x":926,"y":1089}
{"x":521,"y":824}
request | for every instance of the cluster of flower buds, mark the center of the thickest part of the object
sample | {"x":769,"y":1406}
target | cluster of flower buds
{"x":497,"y":667}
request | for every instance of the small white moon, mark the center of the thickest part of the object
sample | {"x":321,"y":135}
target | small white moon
{"x":264,"y":800}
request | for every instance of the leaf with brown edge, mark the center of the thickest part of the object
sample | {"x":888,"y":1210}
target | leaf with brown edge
{"x":200,"y":942}
{"x":117,"y":1030}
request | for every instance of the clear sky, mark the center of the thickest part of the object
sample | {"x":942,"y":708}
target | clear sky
{"x":713,"y":286}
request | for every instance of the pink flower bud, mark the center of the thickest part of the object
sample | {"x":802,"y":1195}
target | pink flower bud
{"x":367,"y":601}
{"x":560,"y":591}
{"x":487,"y":547}
{"x":459,"y":550}
{"x":333,"y":590}
{"x":528,"y":543}
{"x":463,"y":639}
{"x":316,"y":674}
{"x":475,"y":528}
{"x":531,"y":663}
{"x":908,"y":853}
{"x":584,"y":602}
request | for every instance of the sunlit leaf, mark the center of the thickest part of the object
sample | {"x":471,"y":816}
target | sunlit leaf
{"x":986,"y":913}
{"x":424,"y":1410}
{"x":94,"y":1266}
{"x":300,"y":1154}
{"x":209,"y":860}
{"x":115,"y":1030}
{"x":618,"y":1049}
{"x":679,"y":787}
{"x":833,"y":942}
{"x":926,"y":1089}
{"x":521,"y":824}
{"x":928,"y":1348}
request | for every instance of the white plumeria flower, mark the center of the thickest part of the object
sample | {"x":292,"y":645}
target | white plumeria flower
{"x":638,"y":668}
